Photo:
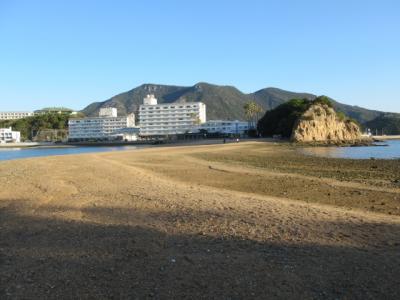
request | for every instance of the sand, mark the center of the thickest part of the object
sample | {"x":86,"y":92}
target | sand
{"x":248,"y":220}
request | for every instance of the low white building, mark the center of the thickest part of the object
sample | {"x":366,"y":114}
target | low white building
{"x":127,"y":134}
{"x":14,"y":115}
{"x":107,"y":126}
{"x":7,"y":135}
{"x":224,"y":127}
{"x":170,"y":118}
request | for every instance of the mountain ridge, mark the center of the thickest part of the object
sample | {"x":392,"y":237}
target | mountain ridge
{"x":222,"y":101}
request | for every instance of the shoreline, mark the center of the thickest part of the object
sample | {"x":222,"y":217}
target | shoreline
{"x":386,"y":137}
{"x":366,"y":142}
{"x":190,"y":143}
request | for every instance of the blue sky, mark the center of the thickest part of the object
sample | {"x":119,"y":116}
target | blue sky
{"x":71,"y":53}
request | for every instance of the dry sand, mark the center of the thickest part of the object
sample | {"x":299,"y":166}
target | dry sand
{"x":248,"y":220}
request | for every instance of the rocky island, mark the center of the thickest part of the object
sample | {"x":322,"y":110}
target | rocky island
{"x":321,"y":124}
{"x":311,"y":122}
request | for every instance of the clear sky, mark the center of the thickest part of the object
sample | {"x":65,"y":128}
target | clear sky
{"x":73,"y":52}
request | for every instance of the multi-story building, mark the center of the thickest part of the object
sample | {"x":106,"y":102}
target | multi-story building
{"x":170,"y":118}
{"x":224,"y":127}
{"x":7,"y":135}
{"x":107,"y":126}
{"x":14,"y":115}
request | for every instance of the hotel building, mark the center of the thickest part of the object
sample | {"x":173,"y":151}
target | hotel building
{"x":107,"y":126}
{"x":224,"y":127}
{"x":7,"y":135}
{"x":14,"y":115}
{"x":170,"y":118}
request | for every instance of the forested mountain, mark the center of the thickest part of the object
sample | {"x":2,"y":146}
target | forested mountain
{"x":223,"y":102}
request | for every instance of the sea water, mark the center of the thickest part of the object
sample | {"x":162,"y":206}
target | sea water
{"x":385,"y":150}
{"x":17,"y":153}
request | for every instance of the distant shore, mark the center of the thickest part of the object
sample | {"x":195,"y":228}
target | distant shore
{"x":386,"y":137}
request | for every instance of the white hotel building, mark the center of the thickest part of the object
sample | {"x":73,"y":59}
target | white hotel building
{"x":224,"y":127}
{"x":7,"y":135}
{"x":169,"y":119}
{"x":107,"y":126}
{"x":14,"y":115}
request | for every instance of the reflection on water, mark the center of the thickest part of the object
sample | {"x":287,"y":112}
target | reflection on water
{"x":392,"y":151}
{"x":16,"y":153}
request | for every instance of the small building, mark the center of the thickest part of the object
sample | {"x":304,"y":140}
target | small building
{"x":7,"y":135}
{"x":128,"y":134}
{"x":169,"y":118}
{"x":224,"y":127}
{"x":15,"y":115}
{"x":106,"y":127}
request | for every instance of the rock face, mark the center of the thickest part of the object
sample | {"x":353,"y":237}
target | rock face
{"x":321,"y":124}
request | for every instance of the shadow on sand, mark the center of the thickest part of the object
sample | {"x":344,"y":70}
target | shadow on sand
{"x":52,"y":258}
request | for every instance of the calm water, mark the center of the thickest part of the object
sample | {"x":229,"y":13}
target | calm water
{"x":390,"y":152}
{"x":16,"y":153}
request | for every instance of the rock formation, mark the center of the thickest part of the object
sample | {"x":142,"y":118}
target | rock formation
{"x":321,"y":124}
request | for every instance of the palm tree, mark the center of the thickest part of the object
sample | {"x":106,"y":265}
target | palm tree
{"x":252,"y":112}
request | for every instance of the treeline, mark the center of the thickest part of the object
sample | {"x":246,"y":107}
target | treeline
{"x":31,"y":126}
{"x":388,"y":124}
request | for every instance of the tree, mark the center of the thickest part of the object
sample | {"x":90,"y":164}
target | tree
{"x":31,"y":126}
{"x":281,"y":120}
{"x":252,"y":112}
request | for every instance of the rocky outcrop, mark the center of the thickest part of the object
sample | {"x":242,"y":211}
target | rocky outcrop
{"x":321,"y":124}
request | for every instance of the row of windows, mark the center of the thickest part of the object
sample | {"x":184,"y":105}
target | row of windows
{"x":226,"y":128}
{"x":224,"y":124}
{"x":169,"y":113}
{"x":97,"y":125}
{"x":150,"y":107}
{"x":165,"y":120}
{"x":15,"y":113}
{"x":216,"y":126}
{"x":97,"y":121}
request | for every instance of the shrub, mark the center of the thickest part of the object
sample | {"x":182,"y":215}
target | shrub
{"x":341,"y":116}
{"x":324,"y":100}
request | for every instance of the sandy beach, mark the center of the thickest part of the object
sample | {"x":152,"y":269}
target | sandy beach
{"x":251,"y":220}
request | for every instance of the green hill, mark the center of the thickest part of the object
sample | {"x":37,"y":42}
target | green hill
{"x":386,"y":123}
{"x":223,"y":102}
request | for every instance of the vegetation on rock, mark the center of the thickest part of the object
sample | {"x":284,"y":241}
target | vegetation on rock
{"x":283,"y":119}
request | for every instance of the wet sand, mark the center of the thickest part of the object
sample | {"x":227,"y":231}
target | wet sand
{"x":248,"y":220}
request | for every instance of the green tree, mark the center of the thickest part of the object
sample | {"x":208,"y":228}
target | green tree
{"x":252,"y":112}
{"x":281,"y":120}
{"x":31,"y":126}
